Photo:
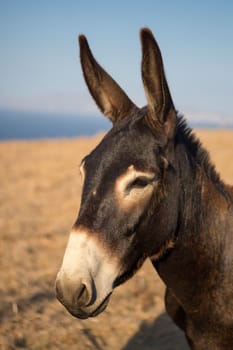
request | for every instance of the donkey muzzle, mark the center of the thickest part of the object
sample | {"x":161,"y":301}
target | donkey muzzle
{"x":86,"y":278}
{"x":74,"y":295}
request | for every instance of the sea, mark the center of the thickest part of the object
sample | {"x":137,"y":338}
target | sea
{"x":18,"y":125}
{"x":21,"y":125}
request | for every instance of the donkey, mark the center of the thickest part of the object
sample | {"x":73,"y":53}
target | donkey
{"x":151,"y":191}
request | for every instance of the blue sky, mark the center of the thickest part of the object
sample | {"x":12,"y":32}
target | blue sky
{"x":39,"y":64}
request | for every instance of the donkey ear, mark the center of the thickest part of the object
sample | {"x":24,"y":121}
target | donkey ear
{"x":109,"y":97}
{"x":161,"y":109}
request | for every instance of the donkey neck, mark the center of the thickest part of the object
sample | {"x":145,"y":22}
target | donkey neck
{"x":204,"y":230}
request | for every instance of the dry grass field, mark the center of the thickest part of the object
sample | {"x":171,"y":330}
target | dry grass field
{"x":39,"y":199}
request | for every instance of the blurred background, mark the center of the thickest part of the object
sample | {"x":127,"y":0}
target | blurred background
{"x":42,"y":92}
{"x":48,"y":123}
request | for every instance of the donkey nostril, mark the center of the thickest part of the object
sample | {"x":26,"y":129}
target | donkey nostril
{"x":73,"y":293}
{"x":81,"y":291}
{"x":82,"y":295}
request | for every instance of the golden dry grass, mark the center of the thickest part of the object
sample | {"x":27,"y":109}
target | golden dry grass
{"x":39,"y":199}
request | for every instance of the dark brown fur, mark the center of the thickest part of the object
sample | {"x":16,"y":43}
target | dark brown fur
{"x":186,"y":226}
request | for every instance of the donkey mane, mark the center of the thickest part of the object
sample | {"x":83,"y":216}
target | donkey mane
{"x":199,"y":153}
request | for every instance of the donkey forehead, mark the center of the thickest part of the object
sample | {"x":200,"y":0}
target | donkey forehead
{"x":104,"y":166}
{"x":131,"y":144}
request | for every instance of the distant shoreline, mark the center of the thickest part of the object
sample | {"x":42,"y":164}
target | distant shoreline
{"x":16,"y":125}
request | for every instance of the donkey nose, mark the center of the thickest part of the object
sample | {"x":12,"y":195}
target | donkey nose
{"x":73,"y":294}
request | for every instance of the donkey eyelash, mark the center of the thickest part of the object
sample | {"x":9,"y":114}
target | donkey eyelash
{"x":141,"y":182}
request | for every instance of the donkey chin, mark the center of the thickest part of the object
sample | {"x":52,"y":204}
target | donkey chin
{"x":87,"y":276}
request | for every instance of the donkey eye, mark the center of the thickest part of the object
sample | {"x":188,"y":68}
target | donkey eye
{"x":140,"y":182}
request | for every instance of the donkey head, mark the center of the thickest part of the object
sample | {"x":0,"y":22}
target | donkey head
{"x":129,"y":188}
